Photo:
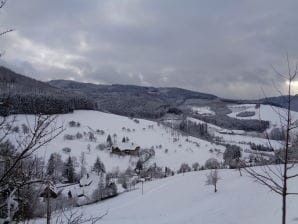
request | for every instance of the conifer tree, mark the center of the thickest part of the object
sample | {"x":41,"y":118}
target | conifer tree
{"x":69,"y":171}
{"x":99,"y":167}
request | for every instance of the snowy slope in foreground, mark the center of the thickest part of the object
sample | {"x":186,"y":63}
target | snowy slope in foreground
{"x":186,"y":199}
{"x":171,"y":148}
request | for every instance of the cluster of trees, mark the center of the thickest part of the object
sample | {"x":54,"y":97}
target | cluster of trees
{"x":246,"y":114}
{"x":89,"y":135}
{"x":258,"y":147}
{"x":196,"y":129}
{"x":277,"y":134}
{"x":45,"y":103}
{"x":227,"y":122}
{"x":62,"y":171}
{"x":20,"y":94}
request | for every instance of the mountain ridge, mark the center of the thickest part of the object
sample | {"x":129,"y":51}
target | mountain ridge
{"x":128,"y":100}
{"x":22,"y":94}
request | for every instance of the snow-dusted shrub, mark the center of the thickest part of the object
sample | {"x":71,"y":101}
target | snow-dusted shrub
{"x":169,"y":172}
{"x":101,"y":146}
{"x":104,"y":191}
{"x":212,"y":163}
{"x":123,"y":180}
{"x":115,"y":173}
{"x":195,"y":166}
{"x":217,"y":150}
{"x":91,"y":137}
{"x":16,"y":129}
{"x":25,"y":129}
{"x":69,"y":137}
{"x":125,"y":139}
{"x":100,"y":132}
{"x":66,"y":150}
{"x":154,"y":171}
{"x":212,"y":179}
{"x":74,"y":124}
{"x":79,"y":135}
{"x":184,"y":168}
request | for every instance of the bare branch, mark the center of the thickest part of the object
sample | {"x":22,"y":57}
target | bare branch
{"x":5,"y":32}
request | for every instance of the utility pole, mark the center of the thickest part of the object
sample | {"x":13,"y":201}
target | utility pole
{"x":48,"y":198}
{"x":142,"y":181}
{"x":142,"y":187}
{"x":48,"y":193}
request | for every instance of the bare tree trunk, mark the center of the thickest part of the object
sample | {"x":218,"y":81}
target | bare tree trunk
{"x":284,"y":209}
{"x":48,"y":209}
{"x":48,"y":204}
{"x":285,"y":174}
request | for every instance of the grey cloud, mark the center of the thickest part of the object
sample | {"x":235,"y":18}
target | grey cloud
{"x":220,"y":47}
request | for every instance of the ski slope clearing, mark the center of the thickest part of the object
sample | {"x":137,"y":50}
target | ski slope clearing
{"x":186,"y":199}
{"x":170,"y":146}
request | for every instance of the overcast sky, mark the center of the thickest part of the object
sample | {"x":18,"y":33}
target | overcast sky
{"x":224,"y":47}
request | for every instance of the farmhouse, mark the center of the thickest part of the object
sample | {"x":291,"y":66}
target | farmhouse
{"x":126,"y":152}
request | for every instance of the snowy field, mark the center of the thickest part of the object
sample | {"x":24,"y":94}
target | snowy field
{"x":269,"y":113}
{"x":186,"y":199}
{"x":203,"y":110}
{"x":171,"y":148}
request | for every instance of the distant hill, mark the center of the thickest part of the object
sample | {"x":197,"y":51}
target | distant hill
{"x":129,"y":100}
{"x":281,"y":101}
{"x":21,"y":94}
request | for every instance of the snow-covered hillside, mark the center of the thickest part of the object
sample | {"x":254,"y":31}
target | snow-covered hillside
{"x":171,"y":148}
{"x":186,"y":199}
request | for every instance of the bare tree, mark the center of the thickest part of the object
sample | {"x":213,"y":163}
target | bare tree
{"x":41,"y":133}
{"x":72,"y":216}
{"x":14,"y":175}
{"x":277,"y":177}
{"x":212,"y":179}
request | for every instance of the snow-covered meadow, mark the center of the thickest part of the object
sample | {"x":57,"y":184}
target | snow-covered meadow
{"x":171,"y":147}
{"x":187,"y":199}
